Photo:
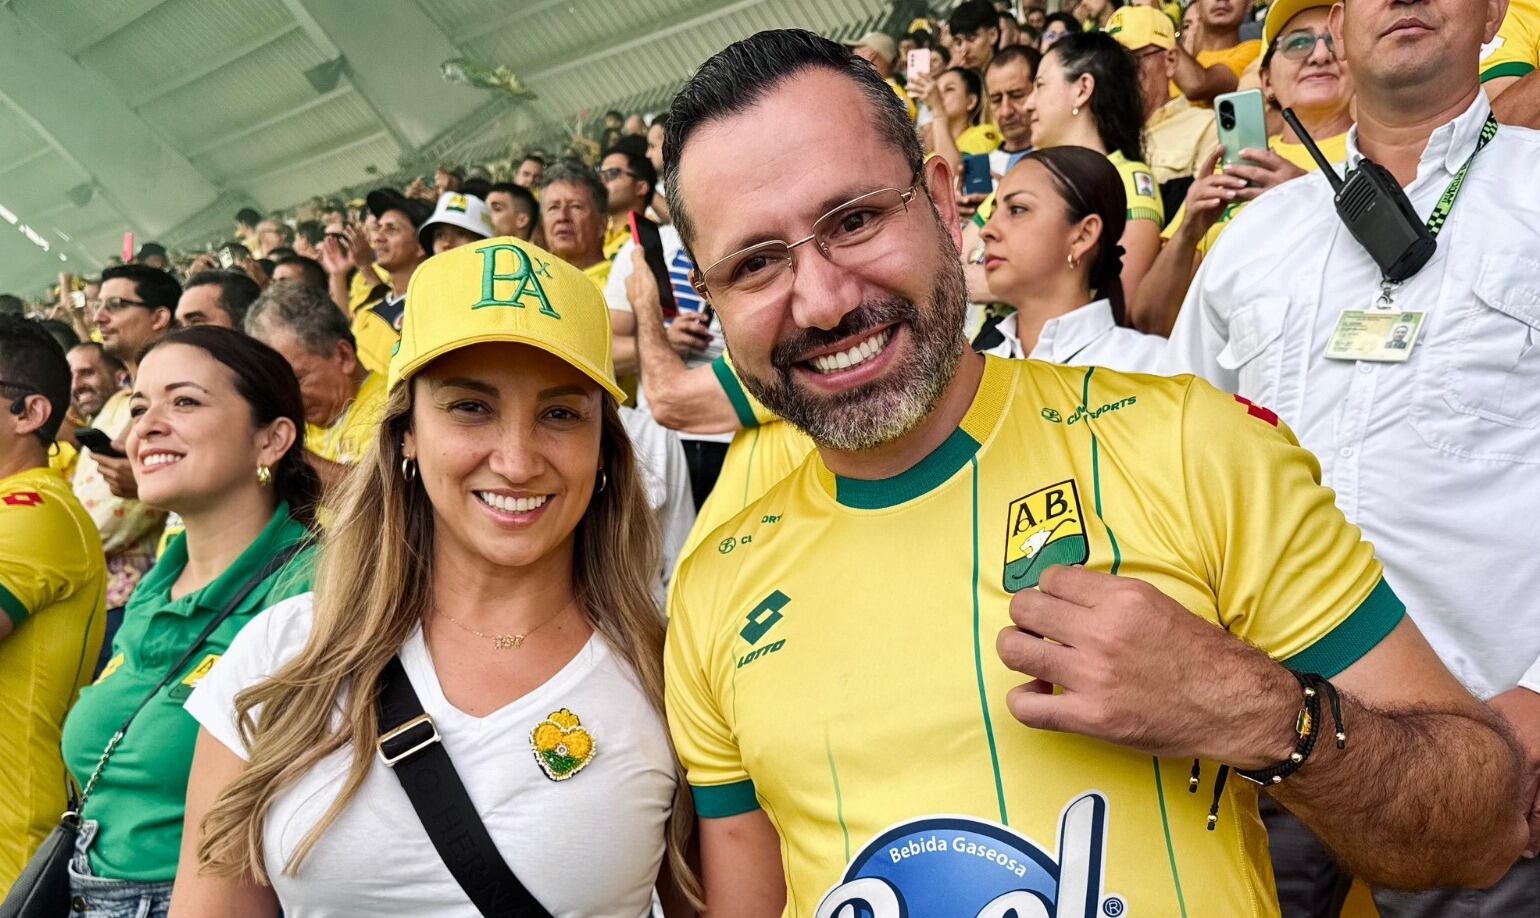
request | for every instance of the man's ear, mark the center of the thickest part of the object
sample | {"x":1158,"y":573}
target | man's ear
{"x":163,"y":318}
{"x":940,"y":184}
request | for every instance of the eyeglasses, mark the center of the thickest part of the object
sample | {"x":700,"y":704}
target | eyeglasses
{"x":1151,"y":54}
{"x":844,"y":236}
{"x":116,"y":304}
{"x":615,"y":172}
{"x":1296,"y":46}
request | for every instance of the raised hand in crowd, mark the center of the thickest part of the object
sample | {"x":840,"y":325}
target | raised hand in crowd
{"x":204,"y":262}
{"x":688,"y":331}
{"x":334,"y":258}
{"x":254,"y":270}
{"x":118,"y":474}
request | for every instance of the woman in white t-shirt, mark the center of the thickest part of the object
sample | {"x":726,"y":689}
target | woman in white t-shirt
{"x":1051,"y":251}
{"x":499,"y":542}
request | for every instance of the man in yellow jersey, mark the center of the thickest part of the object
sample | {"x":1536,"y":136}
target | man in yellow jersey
{"x":879,"y":50}
{"x":1177,"y":133}
{"x":398,"y":252}
{"x":877,"y":711}
{"x":344,"y":401}
{"x":1214,"y":61}
{"x":1510,"y":65}
{"x":53,"y":588}
{"x":706,"y":399}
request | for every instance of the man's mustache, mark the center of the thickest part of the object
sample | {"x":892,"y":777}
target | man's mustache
{"x":862,"y":319}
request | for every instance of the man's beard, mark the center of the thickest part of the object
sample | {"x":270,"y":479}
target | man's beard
{"x":885,"y":409}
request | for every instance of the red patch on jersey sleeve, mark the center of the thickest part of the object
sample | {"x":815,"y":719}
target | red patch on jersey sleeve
{"x":22,"y":499}
{"x":1257,"y":411}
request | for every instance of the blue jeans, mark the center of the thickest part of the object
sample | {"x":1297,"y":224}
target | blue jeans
{"x":99,"y":897}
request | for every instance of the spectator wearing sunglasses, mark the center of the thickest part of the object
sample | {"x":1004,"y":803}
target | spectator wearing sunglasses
{"x":1301,"y":71}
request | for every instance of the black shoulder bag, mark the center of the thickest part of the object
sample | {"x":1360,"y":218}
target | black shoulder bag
{"x":409,"y":745}
{"x":43,"y":888}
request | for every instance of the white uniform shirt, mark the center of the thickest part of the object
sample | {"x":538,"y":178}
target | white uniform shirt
{"x":1437,"y":458}
{"x":590,"y":845}
{"x":666,"y":477}
{"x":1084,"y":338}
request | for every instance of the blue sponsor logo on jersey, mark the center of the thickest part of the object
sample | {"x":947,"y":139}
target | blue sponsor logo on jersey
{"x":961,"y":867}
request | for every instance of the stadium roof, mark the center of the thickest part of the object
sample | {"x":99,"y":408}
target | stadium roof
{"x":164,"y":117}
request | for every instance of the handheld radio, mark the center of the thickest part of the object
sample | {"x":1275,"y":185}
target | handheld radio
{"x":1374,"y":208}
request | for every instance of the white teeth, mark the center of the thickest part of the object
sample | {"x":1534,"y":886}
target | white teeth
{"x":855,"y":356}
{"x":161,"y":459}
{"x":512,"y":504}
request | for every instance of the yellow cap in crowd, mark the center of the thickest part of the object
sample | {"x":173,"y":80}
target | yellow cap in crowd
{"x":1137,"y":27}
{"x":504,"y":289}
{"x":1279,"y":14}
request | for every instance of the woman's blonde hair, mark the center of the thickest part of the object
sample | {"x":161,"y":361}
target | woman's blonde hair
{"x":373,"y":586}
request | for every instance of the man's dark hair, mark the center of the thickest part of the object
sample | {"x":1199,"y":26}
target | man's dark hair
{"x":523,"y":199}
{"x":574,"y":172}
{"x":280,"y":253}
{"x":1017,"y":53}
{"x":532,"y":158}
{"x":306,"y":312}
{"x":248,"y":216}
{"x":614,"y":114}
{"x":236,"y":291}
{"x":1070,"y":23}
{"x":61,"y":333}
{"x":475,"y":187}
{"x":311,"y":231}
{"x":972,"y":17}
{"x":1116,"y":104}
{"x":659,"y":120}
{"x":744,"y":72}
{"x":638,"y":163}
{"x":11,"y":305}
{"x":32,"y":363}
{"x":156,"y":288}
{"x":114,"y":365}
{"x":314,"y":275}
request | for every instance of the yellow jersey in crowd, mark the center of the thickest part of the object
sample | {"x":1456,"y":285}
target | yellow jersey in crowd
{"x":349,"y":436}
{"x":831,"y":650}
{"x":980,"y":140}
{"x":1237,"y":58}
{"x":1139,"y":187}
{"x":53,"y":588}
{"x":1516,"y":49}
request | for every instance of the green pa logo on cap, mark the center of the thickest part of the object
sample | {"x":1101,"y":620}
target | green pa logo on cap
{"x":525,"y":275}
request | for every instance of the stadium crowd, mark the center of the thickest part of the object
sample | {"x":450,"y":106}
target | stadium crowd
{"x":952,"y":473}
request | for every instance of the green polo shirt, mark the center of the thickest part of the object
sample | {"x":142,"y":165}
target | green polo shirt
{"x":140,"y":798}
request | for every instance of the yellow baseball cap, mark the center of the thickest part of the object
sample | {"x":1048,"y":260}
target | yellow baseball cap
{"x":504,"y":289}
{"x":1137,"y":27}
{"x":1279,"y":14}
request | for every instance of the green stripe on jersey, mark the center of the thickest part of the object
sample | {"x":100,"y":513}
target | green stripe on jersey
{"x":1354,"y":636}
{"x":723,"y":800}
{"x":735,"y":393}
{"x":14,"y":608}
{"x":924,"y":476}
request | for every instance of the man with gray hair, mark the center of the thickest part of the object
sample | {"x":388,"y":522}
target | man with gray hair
{"x":574,"y":206}
{"x":343,"y":400}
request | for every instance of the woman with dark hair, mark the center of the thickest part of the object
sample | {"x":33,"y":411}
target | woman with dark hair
{"x":1051,"y":251}
{"x":1056,"y":26}
{"x":216,"y":436}
{"x":1087,"y":95}
{"x":959,"y":129}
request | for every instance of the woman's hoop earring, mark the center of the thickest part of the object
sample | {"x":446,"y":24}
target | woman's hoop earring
{"x":1073,"y":261}
{"x":264,"y":476}
{"x":408,"y":469}
{"x":604,"y":481}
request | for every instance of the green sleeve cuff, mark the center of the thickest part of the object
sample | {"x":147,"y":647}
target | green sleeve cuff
{"x":1508,"y":69}
{"x":735,"y":393}
{"x":14,"y":608}
{"x":723,"y":800}
{"x":1354,"y":636}
{"x":1144,"y":213}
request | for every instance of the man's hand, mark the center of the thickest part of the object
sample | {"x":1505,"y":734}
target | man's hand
{"x":359,"y":248}
{"x":421,"y":190}
{"x":642,"y":289}
{"x":968,"y":204}
{"x":1210,"y":193}
{"x":251,"y":268}
{"x":119,"y":475}
{"x":688,"y":333}
{"x":204,"y":262}
{"x":1520,"y":707}
{"x":334,"y":258}
{"x":1139,"y":670}
{"x":1264,"y":169}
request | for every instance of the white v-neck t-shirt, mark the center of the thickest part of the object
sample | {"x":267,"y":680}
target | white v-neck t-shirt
{"x":589,"y":845}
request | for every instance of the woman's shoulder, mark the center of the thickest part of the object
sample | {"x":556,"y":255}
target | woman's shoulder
{"x":281,"y":629}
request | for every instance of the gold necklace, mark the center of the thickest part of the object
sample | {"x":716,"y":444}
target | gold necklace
{"x":508,"y":641}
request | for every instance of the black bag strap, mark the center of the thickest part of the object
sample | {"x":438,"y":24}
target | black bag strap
{"x":273,"y":565}
{"x":409,"y":744}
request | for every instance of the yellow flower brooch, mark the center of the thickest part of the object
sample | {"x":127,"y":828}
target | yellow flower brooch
{"x":561,"y":746}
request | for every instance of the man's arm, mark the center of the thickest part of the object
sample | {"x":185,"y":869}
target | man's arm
{"x":741,"y":867}
{"x":681,"y":398}
{"x":1200,"y":83}
{"x":1423,"y":759}
{"x":1515,"y":99}
{"x":623,"y":342}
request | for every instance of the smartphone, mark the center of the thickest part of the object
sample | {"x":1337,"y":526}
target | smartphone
{"x":98,"y":442}
{"x":918,"y":62}
{"x":226,"y":257}
{"x":1242,"y":123}
{"x":644,"y":233}
{"x":128,"y":248}
{"x":976,"y":177}
{"x":78,"y":299}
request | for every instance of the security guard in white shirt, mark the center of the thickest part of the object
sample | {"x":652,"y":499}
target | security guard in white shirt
{"x":1422,"y":399}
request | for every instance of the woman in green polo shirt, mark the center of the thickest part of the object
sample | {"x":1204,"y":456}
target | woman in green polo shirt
{"x":217,"y":437}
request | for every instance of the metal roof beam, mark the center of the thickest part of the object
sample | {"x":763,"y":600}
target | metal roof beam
{"x":210,"y":65}
{"x":257,"y":127}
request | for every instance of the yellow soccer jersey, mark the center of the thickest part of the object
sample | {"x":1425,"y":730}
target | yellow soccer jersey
{"x":1139,"y":187}
{"x":1516,"y":49}
{"x":832,"y":661}
{"x":53,"y":588}
{"x":376,"y":330}
{"x":761,"y":454}
{"x":349,"y":436}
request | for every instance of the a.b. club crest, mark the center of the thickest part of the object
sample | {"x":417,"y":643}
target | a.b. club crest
{"x":1042,"y":529}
